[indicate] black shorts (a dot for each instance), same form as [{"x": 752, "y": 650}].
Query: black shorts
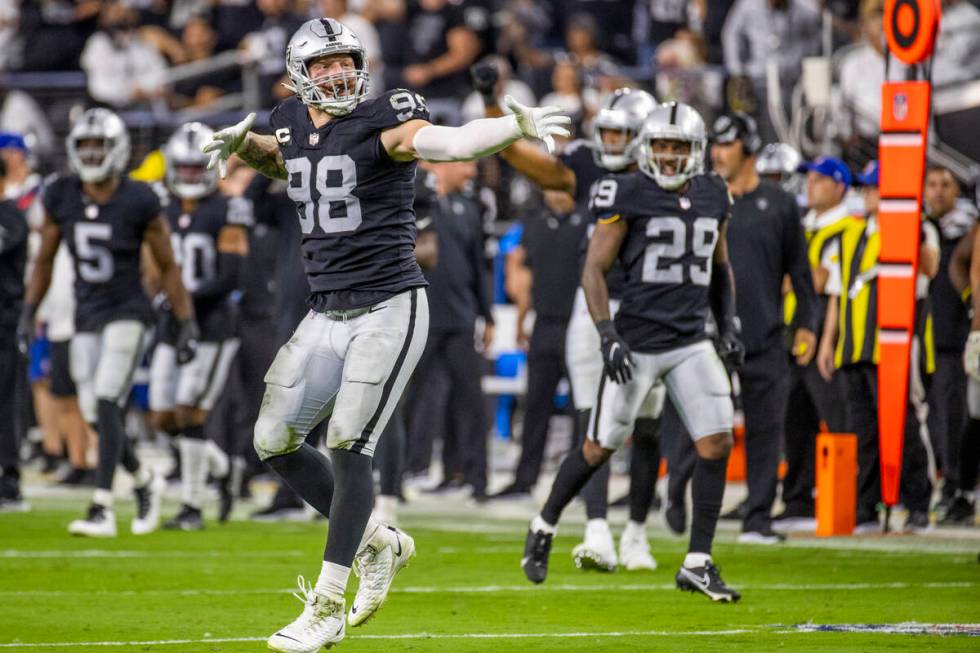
[{"x": 61, "y": 383}]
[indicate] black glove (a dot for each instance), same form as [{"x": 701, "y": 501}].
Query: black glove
[
  {"x": 731, "y": 350},
  {"x": 485, "y": 76},
  {"x": 187, "y": 336},
  {"x": 616, "y": 358},
  {"x": 25, "y": 328}
]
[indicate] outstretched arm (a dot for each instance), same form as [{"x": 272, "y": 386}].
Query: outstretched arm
[
  {"x": 419, "y": 139},
  {"x": 259, "y": 152},
  {"x": 546, "y": 170}
]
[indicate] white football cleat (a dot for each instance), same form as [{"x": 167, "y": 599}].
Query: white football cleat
[
  {"x": 598, "y": 551},
  {"x": 147, "y": 517},
  {"x": 100, "y": 522},
  {"x": 321, "y": 625},
  {"x": 634, "y": 550},
  {"x": 376, "y": 566}
]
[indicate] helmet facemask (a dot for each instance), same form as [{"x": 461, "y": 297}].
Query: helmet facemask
[
  {"x": 671, "y": 170},
  {"x": 187, "y": 173},
  {"x": 95, "y": 158},
  {"x": 615, "y": 154},
  {"x": 334, "y": 93}
]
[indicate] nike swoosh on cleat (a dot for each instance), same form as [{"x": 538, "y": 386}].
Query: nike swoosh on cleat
[
  {"x": 398, "y": 539},
  {"x": 702, "y": 583},
  {"x": 287, "y": 637}
]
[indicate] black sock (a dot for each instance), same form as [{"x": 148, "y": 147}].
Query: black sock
[
  {"x": 969, "y": 455},
  {"x": 595, "y": 494},
  {"x": 351, "y": 507},
  {"x": 128, "y": 457},
  {"x": 112, "y": 438},
  {"x": 572, "y": 476},
  {"x": 707, "y": 490},
  {"x": 308, "y": 473},
  {"x": 644, "y": 468}
]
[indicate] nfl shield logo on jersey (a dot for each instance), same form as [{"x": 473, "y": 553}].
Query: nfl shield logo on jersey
[
  {"x": 685, "y": 203},
  {"x": 91, "y": 211},
  {"x": 314, "y": 138}
]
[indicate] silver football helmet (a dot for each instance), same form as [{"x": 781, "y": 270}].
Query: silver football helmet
[
  {"x": 673, "y": 121},
  {"x": 95, "y": 163},
  {"x": 187, "y": 174},
  {"x": 778, "y": 159},
  {"x": 339, "y": 93},
  {"x": 624, "y": 112}
]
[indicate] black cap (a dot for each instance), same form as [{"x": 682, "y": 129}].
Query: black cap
[{"x": 737, "y": 126}]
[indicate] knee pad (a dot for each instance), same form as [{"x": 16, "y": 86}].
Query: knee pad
[{"x": 273, "y": 437}]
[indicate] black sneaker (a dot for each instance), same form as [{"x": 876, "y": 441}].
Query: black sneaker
[
  {"x": 707, "y": 580},
  {"x": 76, "y": 476},
  {"x": 512, "y": 492},
  {"x": 763, "y": 535},
  {"x": 675, "y": 516},
  {"x": 738, "y": 513},
  {"x": 188, "y": 519},
  {"x": 280, "y": 510},
  {"x": 537, "y": 548},
  {"x": 961, "y": 511},
  {"x": 918, "y": 522},
  {"x": 225, "y": 498},
  {"x": 10, "y": 497}
]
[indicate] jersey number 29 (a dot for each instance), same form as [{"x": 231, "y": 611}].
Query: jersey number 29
[
  {"x": 671, "y": 233},
  {"x": 335, "y": 209}
]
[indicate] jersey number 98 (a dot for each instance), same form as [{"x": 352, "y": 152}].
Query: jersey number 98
[{"x": 335, "y": 208}]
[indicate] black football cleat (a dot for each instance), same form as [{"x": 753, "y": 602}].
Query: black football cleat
[
  {"x": 188, "y": 519},
  {"x": 537, "y": 548},
  {"x": 706, "y": 580},
  {"x": 961, "y": 511}
]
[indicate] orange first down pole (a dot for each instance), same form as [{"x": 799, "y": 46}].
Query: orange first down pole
[{"x": 910, "y": 28}]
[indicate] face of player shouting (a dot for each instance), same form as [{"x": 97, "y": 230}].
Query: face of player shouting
[
  {"x": 335, "y": 75},
  {"x": 669, "y": 155}
]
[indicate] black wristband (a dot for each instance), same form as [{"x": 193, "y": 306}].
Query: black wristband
[{"x": 607, "y": 329}]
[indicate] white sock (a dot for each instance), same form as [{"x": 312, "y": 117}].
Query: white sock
[
  {"x": 386, "y": 509},
  {"x": 141, "y": 476},
  {"x": 332, "y": 580},
  {"x": 538, "y": 524},
  {"x": 103, "y": 498},
  {"x": 193, "y": 470},
  {"x": 635, "y": 530},
  {"x": 375, "y": 533},
  {"x": 692, "y": 560},
  {"x": 218, "y": 461}
]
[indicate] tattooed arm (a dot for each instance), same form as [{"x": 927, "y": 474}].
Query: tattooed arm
[{"x": 259, "y": 152}]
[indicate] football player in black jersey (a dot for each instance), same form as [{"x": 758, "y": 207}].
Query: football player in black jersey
[
  {"x": 210, "y": 242},
  {"x": 575, "y": 171},
  {"x": 106, "y": 219},
  {"x": 666, "y": 223},
  {"x": 350, "y": 164}
]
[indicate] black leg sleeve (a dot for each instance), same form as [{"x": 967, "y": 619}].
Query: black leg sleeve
[
  {"x": 644, "y": 467},
  {"x": 351, "y": 506},
  {"x": 308, "y": 473}
]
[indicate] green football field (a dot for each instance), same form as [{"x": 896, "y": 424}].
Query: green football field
[{"x": 228, "y": 588}]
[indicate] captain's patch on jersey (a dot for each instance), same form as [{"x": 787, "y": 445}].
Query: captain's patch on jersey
[{"x": 283, "y": 135}]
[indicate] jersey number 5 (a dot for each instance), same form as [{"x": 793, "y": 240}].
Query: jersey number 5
[
  {"x": 672, "y": 234},
  {"x": 95, "y": 263},
  {"x": 335, "y": 208}
]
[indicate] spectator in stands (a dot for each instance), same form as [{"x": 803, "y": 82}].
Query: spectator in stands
[
  {"x": 267, "y": 45},
  {"x": 860, "y": 69},
  {"x": 956, "y": 59},
  {"x": 366, "y": 32},
  {"x": 582, "y": 42},
  {"x": 122, "y": 68},
  {"x": 9, "y": 43},
  {"x": 613, "y": 22},
  {"x": 758, "y": 32},
  {"x": 506, "y": 85},
  {"x": 197, "y": 43},
  {"x": 54, "y": 32},
  {"x": 439, "y": 49},
  {"x": 577, "y": 102}
]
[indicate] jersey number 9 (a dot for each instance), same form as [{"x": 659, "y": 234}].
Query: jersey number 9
[{"x": 334, "y": 208}]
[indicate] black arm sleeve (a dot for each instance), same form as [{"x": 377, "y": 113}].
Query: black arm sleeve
[
  {"x": 228, "y": 278},
  {"x": 796, "y": 264},
  {"x": 721, "y": 294}
]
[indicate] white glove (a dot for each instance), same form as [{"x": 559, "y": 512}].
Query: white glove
[
  {"x": 226, "y": 142},
  {"x": 541, "y": 122},
  {"x": 971, "y": 355}
]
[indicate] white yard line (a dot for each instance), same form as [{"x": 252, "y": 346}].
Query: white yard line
[
  {"x": 113, "y": 553},
  {"x": 886, "y": 629},
  {"x": 487, "y": 589}
]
